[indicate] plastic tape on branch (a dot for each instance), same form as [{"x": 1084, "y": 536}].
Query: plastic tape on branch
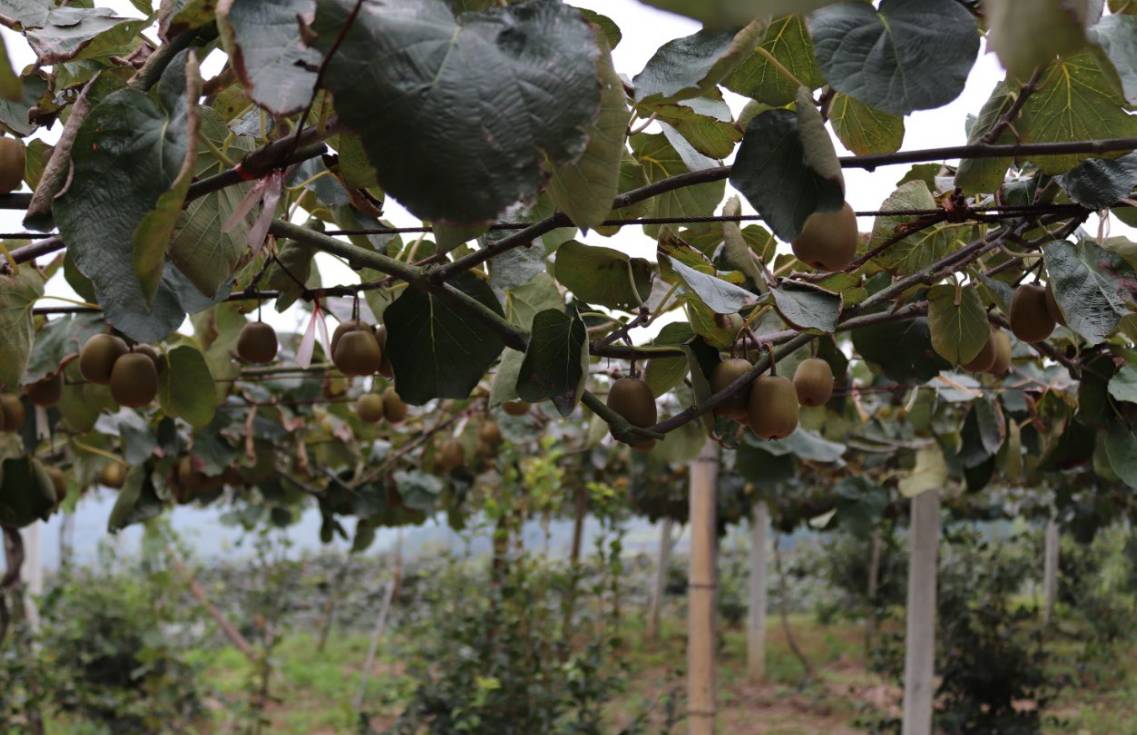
[{"x": 266, "y": 191}]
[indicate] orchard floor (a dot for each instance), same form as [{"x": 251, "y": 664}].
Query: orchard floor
[{"x": 313, "y": 691}]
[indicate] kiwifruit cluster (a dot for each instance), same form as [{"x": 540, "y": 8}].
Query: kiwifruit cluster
[
  {"x": 374, "y": 407},
  {"x": 369, "y": 408},
  {"x": 257, "y": 343},
  {"x": 12, "y": 161},
  {"x": 770, "y": 404},
  {"x": 995, "y": 357},
  {"x": 356, "y": 349},
  {"x": 1032, "y": 317},
  {"x": 131, "y": 374},
  {"x": 47, "y": 391},
  {"x": 633, "y": 399},
  {"x": 12, "y": 413},
  {"x": 394, "y": 410},
  {"x": 828, "y": 240}
]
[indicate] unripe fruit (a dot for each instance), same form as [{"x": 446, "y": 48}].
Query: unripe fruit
[
  {"x": 12, "y": 162},
  {"x": 1001, "y": 344},
  {"x": 450, "y": 456},
  {"x": 394, "y": 409},
  {"x": 113, "y": 475},
  {"x": 490, "y": 434},
  {"x": 828, "y": 241},
  {"x": 46, "y": 392},
  {"x": 986, "y": 357},
  {"x": 369, "y": 408},
  {"x": 773, "y": 407},
  {"x": 1052, "y": 307},
  {"x": 342, "y": 329},
  {"x": 134, "y": 380},
  {"x": 13, "y": 411},
  {"x": 516, "y": 408},
  {"x": 358, "y": 353},
  {"x": 1030, "y": 317},
  {"x": 98, "y": 356},
  {"x": 725, "y": 373},
  {"x": 813, "y": 381},
  {"x": 632, "y": 399},
  {"x": 257, "y": 343}
]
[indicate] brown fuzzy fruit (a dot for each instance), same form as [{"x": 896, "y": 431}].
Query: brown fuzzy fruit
[
  {"x": 342, "y": 329},
  {"x": 828, "y": 241},
  {"x": 490, "y": 434},
  {"x": 189, "y": 477},
  {"x": 986, "y": 357},
  {"x": 393, "y": 407},
  {"x": 773, "y": 407},
  {"x": 450, "y": 456},
  {"x": 12, "y": 161},
  {"x": 98, "y": 356},
  {"x": 257, "y": 343},
  {"x": 1052, "y": 307},
  {"x": 14, "y": 413},
  {"x": 632, "y": 399},
  {"x": 1030, "y": 317},
  {"x": 46, "y": 392},
  {"x": 152, "y": 352},
  {"x": 358, "y": 353},
  {"x": 813, "y": 381},
  {"x": 369, "y": 408},
  {"x": 725, "y": 373},
  {"x": 134, "y": 380},
  {"x": 113, "y": 475},
  {"x": 1001, "y": 344},
  {"x": 516, "y": 408}
]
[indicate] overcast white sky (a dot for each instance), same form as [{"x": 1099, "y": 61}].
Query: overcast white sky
[{"x": 644, "y": 29}]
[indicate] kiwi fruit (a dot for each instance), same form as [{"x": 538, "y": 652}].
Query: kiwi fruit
[
  {"x": 14, "y": 413},
  {"x": 1052, "y": 307},
  {"x": 632, "y": 399},
  {"x": 1030, "y": 317},
  {"x": 46, "y": 392},
  {"x": 58, "y": 483},
  {"x": 490, "y": 434},
  {"x": 828, "y": 241},
  {"x": 357, "y": 353},
  {"x": 516, "y": 408},
  {"x": 773, "y": 407},
  {"x": 386, "y": 369},
  {"x": 98, "y": 356},
  {"x": 450, "y": 456},
  {"x": 152, "y": 352},
  {"x": 113, "y": 475},
  {"x": 369, "y": 408},
  {"x": 394, "y": 409},
  {"x": 813, "y": 381},
  {"x": 134, "y": 380},
  {"x": 12, "y": 160},
  {"x": 342, "y": 329},
  {"x": 1001, "y": 345},
  {"x": 986, "y": 357},
  {"x": 189, "y": 477},
  {"x": 257, "y": 343},
  {"x": 725, "y": 373}
]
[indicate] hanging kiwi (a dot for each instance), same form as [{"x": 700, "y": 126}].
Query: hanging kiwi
[
  {"x": 986, "y": 357},
  {"x": 358, "y": 353},
  {"x": 12, "y": 162},
  {"x": 632, "y": 399},
  {"x": 14, "y": 413},
  {"x": 152, "y": 352},
  {"x": 134, "y": 380},
  {"x": 813, "y": 381},
  {"x": 490, "y": 434},
  {"x": 773, "y": 407},
  {"x": 369, "y": 408},
  {"x": 1030, "y": 317},
  {"x": 516, "y": 408},
  {"x": 394, "y": 409},
  {"x": 1052, "y": 307},
  {"x": 98, "y": 356},
  {"x": 828, "y": 241},
  {"x": 450, "y": 456},
  {"x": 257, "y": 343},
  {"x": 343, "y": 328},
  {"x": 46, "y": 392},
  {"x": 725, "y": 373},
  {"x": 1001, "y": 345},
  {"x": 113, "y": 475}
]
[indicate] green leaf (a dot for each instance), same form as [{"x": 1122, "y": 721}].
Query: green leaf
[
  {"x": 11, "y": 89},
  {"x": 408, "y": 74},
  {"x": 70, "y": 33},
  {"x": 437, "y": 348},
  {"x": 58, "y": 339},
  {"x": 664, "y": 373},
  {"x": 1123, "y": 385},
  {"x": 805, "y": 445},
  {"x": 959, "y": 330},
  {"x": 612, "y": 33},
  {"x": 175, "y": 16},
  {"x": 26, "y": 492},
  {"x": 786, "y": 39},
  {"x": 981, "y": 175},
  {"x": 185, "y": 386},
  {"x": 1099, "y": 183},
  {"x": 262, "y": 38},
  {"x": 690, "y": 66},
  {"x": 718, "y": 295},
  {"x": 1088, "y": 283},
  {"x": 787, "y": 169},
  {"x": 806, "y": 306},
  {"x": 418, "y": 490},
  {"x": 930, "y": 472},
  {"x": 556, "y": 362},
  {"x": 18, "y": 294},
  {"x": 205, "y": 254},
  {"x": 525, "y": 301},
  {"x": 14, "y": 114},
  {"x": 1117, "y": 36},
  {"x": 704, "y": 122},
  {"x": 735, "y": 13},
  {"x": 862, "y": 129},
  {"x": 1121, "y": 449},
  {"x": 584, "y": 189},
  {"x": 661, "y": 160},
  {"x": 603, "y": 276},
  {"x": 25, "y": 13},
  {"x": 922, "y": 248},
  {"x": 902, "y": 350},
  {"x": 136, "y": 501},
  {"x": 505, "y": 377},
  {"x": 1026, "y": 34},
  {"x": 908, "y": 55}
]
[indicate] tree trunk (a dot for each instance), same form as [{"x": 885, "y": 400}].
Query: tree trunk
[
  {"x": 756, "y": 630},
  {"x": 920, "y": 639},
  {"x": 657, "y": 592},
  {"x": 1050, "y": 573},
  {"x": 875, "y": 551},
  {"x": 701, "y": 594}
]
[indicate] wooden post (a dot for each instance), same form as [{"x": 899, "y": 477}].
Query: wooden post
[
  {"x": 875, "y": 551},
  {"x": 1050, "y": 571},
  {"x": 655, "y": 611},
  {"x": 701, "y": 594},
  {"x": 756, "y": 631},
  {"x": 920, "y": 640},
  {"x": 32, "y": 571}
]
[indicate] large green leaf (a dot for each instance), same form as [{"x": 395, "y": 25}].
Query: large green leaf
[
  {"x": 735, "y": 13},
  {"x": 806, "y": 306},
  {"x": 1089, "y": 284},
  {"x": 661, "y": 160},
  {"x": 262, "y": 38},
  {"x": 903, "y": 350},
  {"x": 69, "y": 33},
  {"x": 556, "y": 362},
  {"x": 185, "y": 386},
  {"x": 1117, "y": 36},
  {"x": 1123, "y": 385},
  {"x": 908, "y": 55},
  {"x": 18, "y": 294},
  {"x": 437, "y": 348},
  {"x": 930, "y": 472},
  {"x": 862, "y": 129},
  {"x": 26, "y": 492},
  {"x": 958, "y": 322},
  {"x": 704, "y": 122},
  {"x": 721, "y": 297},
  {"x": 175, "y": 16},
  {"x": 459, "y": 116},
  {"x": 787, "y": 39},
  {"x": 1098, "y": 183},
  {"x": 978, "y": 175},
  {"x": 505, "y": 377},
  {"x": 25, "y": 13},
  {"x": 1121, "y": 449},
  {"x": 603, "y": 276},
  {"x": 692, "y": 65},
  {"x": 525, "y": 301},
  {"x": 1026, "y": 34},
  {"x": 136, "y": 502},
  {"x": 922, "y": 248},
  {"x": 58, "y": 339}
]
